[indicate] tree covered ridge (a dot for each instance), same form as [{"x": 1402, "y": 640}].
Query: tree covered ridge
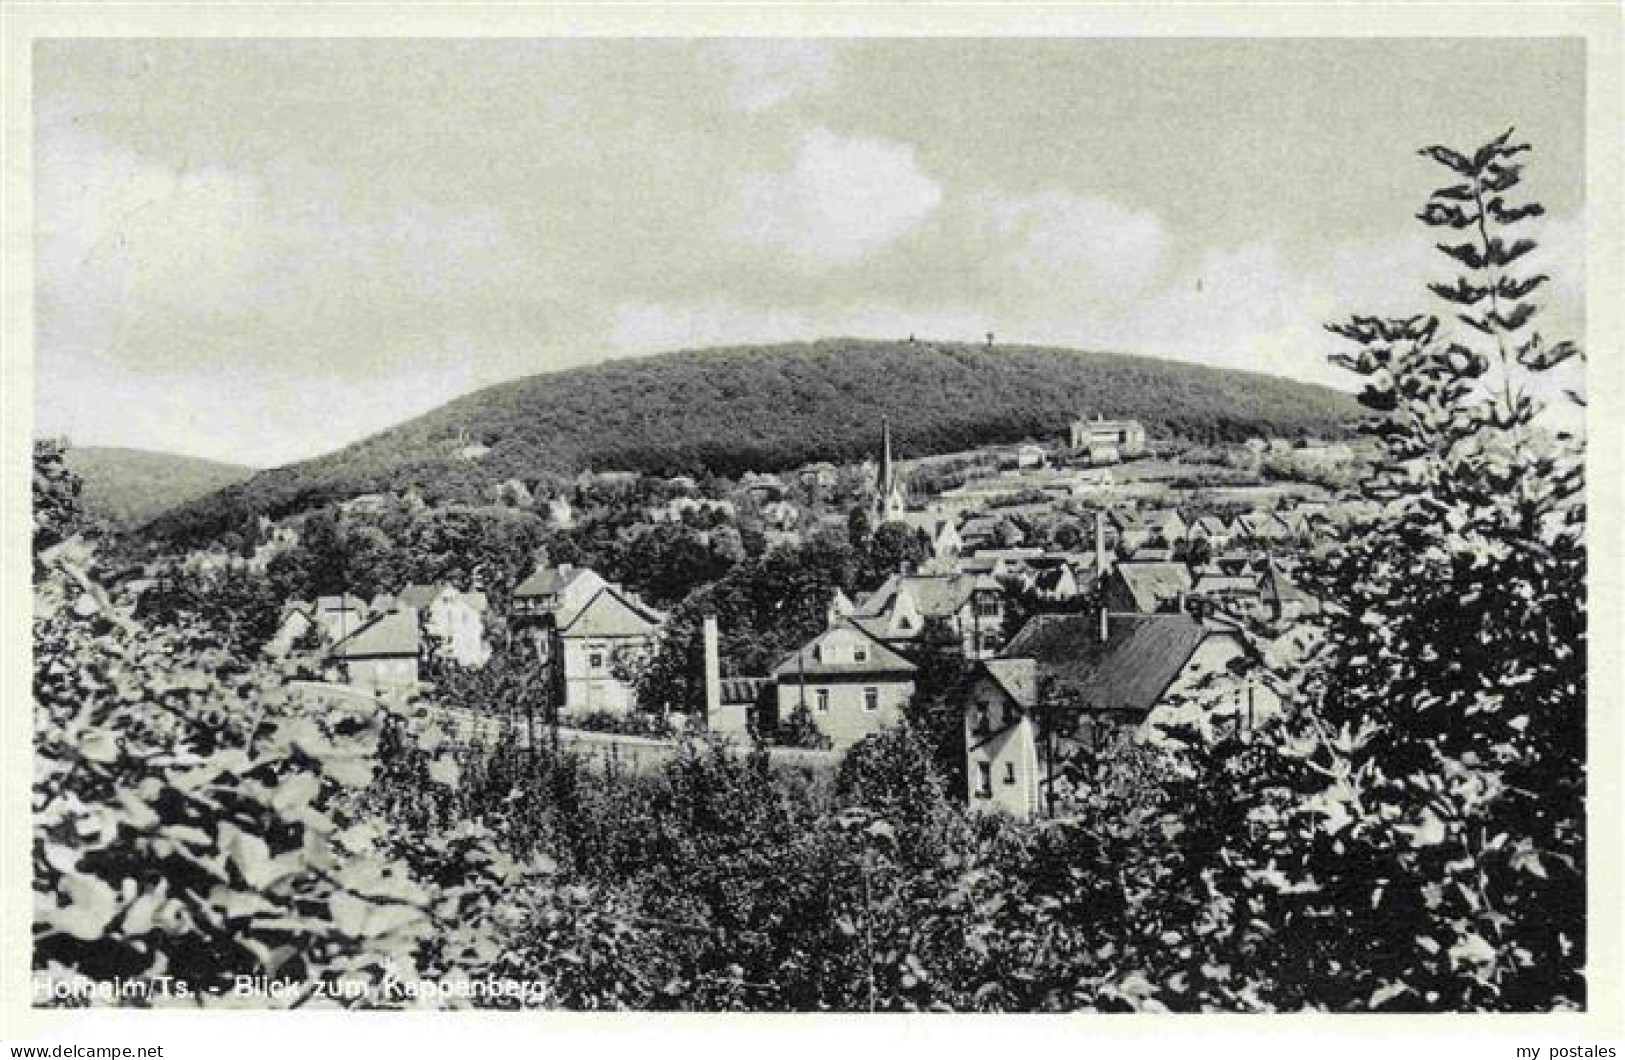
[
  {"x": 769, "y": 408},
  {"x": 132, "y": 486}
]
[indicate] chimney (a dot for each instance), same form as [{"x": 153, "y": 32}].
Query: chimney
[
  {"x": 564, "y": 569},
  {"x": 1105, "y": 628},
  {"x": 713, "y": 671}
]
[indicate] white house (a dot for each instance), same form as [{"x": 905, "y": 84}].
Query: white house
[{"x": 850, "y": 683}]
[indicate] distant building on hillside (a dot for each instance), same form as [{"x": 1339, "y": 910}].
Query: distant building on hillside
[{"x": 1127, "y": 437}]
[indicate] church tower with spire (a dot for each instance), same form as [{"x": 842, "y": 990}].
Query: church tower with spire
[{"x": 889, "y": 500}]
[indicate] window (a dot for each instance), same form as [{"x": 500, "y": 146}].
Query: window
[
  {"x": 871, "y": 699},
  {"x": 1009, "y": 772},
  {"x": 595, "y": 660},
  {"x": 823, "y": 700},
  {"x": 860, "y": 654},
  {"x": 987, "y": 605},
  {"x": 981, "y": 720},
  {"x": 984, "y": 780}
]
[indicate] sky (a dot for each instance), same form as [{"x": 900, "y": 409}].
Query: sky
[{"x": 261, "y": 250}]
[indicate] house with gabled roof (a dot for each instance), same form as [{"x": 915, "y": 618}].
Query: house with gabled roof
[
  {"x": 1282, "y": 598},
  {"x": 910, "y": 611},
  {"x": 1062, "y": 689},
  {"x": 1261, "y": 528},
  {"x": 596, "y": 649},
  {"x": 593, "y": 632},
  {"x": 454, "y": 621},
  {"x": 1127, "y": 437},
  {"x": 383, "y": 654},
  {"x": 1214, "y": 530},
  {"x": 1146, "y": 588},
  {"x": 850, "y": 682},
  {"x": 1004, "y": 770}
]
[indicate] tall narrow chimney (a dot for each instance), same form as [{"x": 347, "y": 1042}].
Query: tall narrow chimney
[
  {"x": 1105, "y": 630},
  {"x": 713, "y": 671},
  {"x": 1100, "y": 543}
]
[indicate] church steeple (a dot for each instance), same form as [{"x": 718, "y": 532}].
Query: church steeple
[
  {"x": 889, "y": 502},
  {"x": 885, "y": 457}
]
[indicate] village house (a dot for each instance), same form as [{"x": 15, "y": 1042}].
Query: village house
[
  {"x": 1163, "y": 671},
  {"x": 594, "y": 633},
  {"x": 909, "y": 610},
  {"x": 940, "y": 532},
  {"x": 1281, "y": 597},
  {"x": 1003, "y": 771},
  {"x": 1029, "y": 456},
  {"x": 1055, "y": 582},
  {"x": 780, "y": 515},
  {"x": 762, "y": 486},
  {"x": 1146, "y": 588},
  {"x": 1214, "y": 530},
  {"x": 1261, "y": 528},
  {"x": 383, "y": 654},
  {"x": 989, "y": 531},
  {"x": 821, "y": 474},
  {"x": 849, "y": 682},
  {"x": 558, "y": 514},
  {"x": 453, "y": 621},
  {"x": 1127, "y": 437},
  {"x": 1062, "y": 690}
]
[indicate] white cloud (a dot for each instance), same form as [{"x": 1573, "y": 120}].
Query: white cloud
[
  {"x": 841, "y": 199},
  {"x": 150, "y": 264},
  {"x": 656, "y": 327},
  {"x": 1084, "y": 245},
  {"x": 766, "y": 73}
]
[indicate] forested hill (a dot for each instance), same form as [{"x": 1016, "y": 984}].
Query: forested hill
[
  {"x": 767, "y": 408},
  {"x": 127, "y": 487}
]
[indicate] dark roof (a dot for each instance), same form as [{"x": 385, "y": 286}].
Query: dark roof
[
  {"x": 1141, "y": 660},
  {"x": 419, "y": 596},
  {"x": 1064, "y": 647},
  {"x": 548, "y": 581},
  {"x": 934, "y": 595},
  {"x": 1151, "y": 584},
  {"x": 1048, "y": 579},
  {"x": 1018, "y": 678},
  {"x": 742, "y": 689}
]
